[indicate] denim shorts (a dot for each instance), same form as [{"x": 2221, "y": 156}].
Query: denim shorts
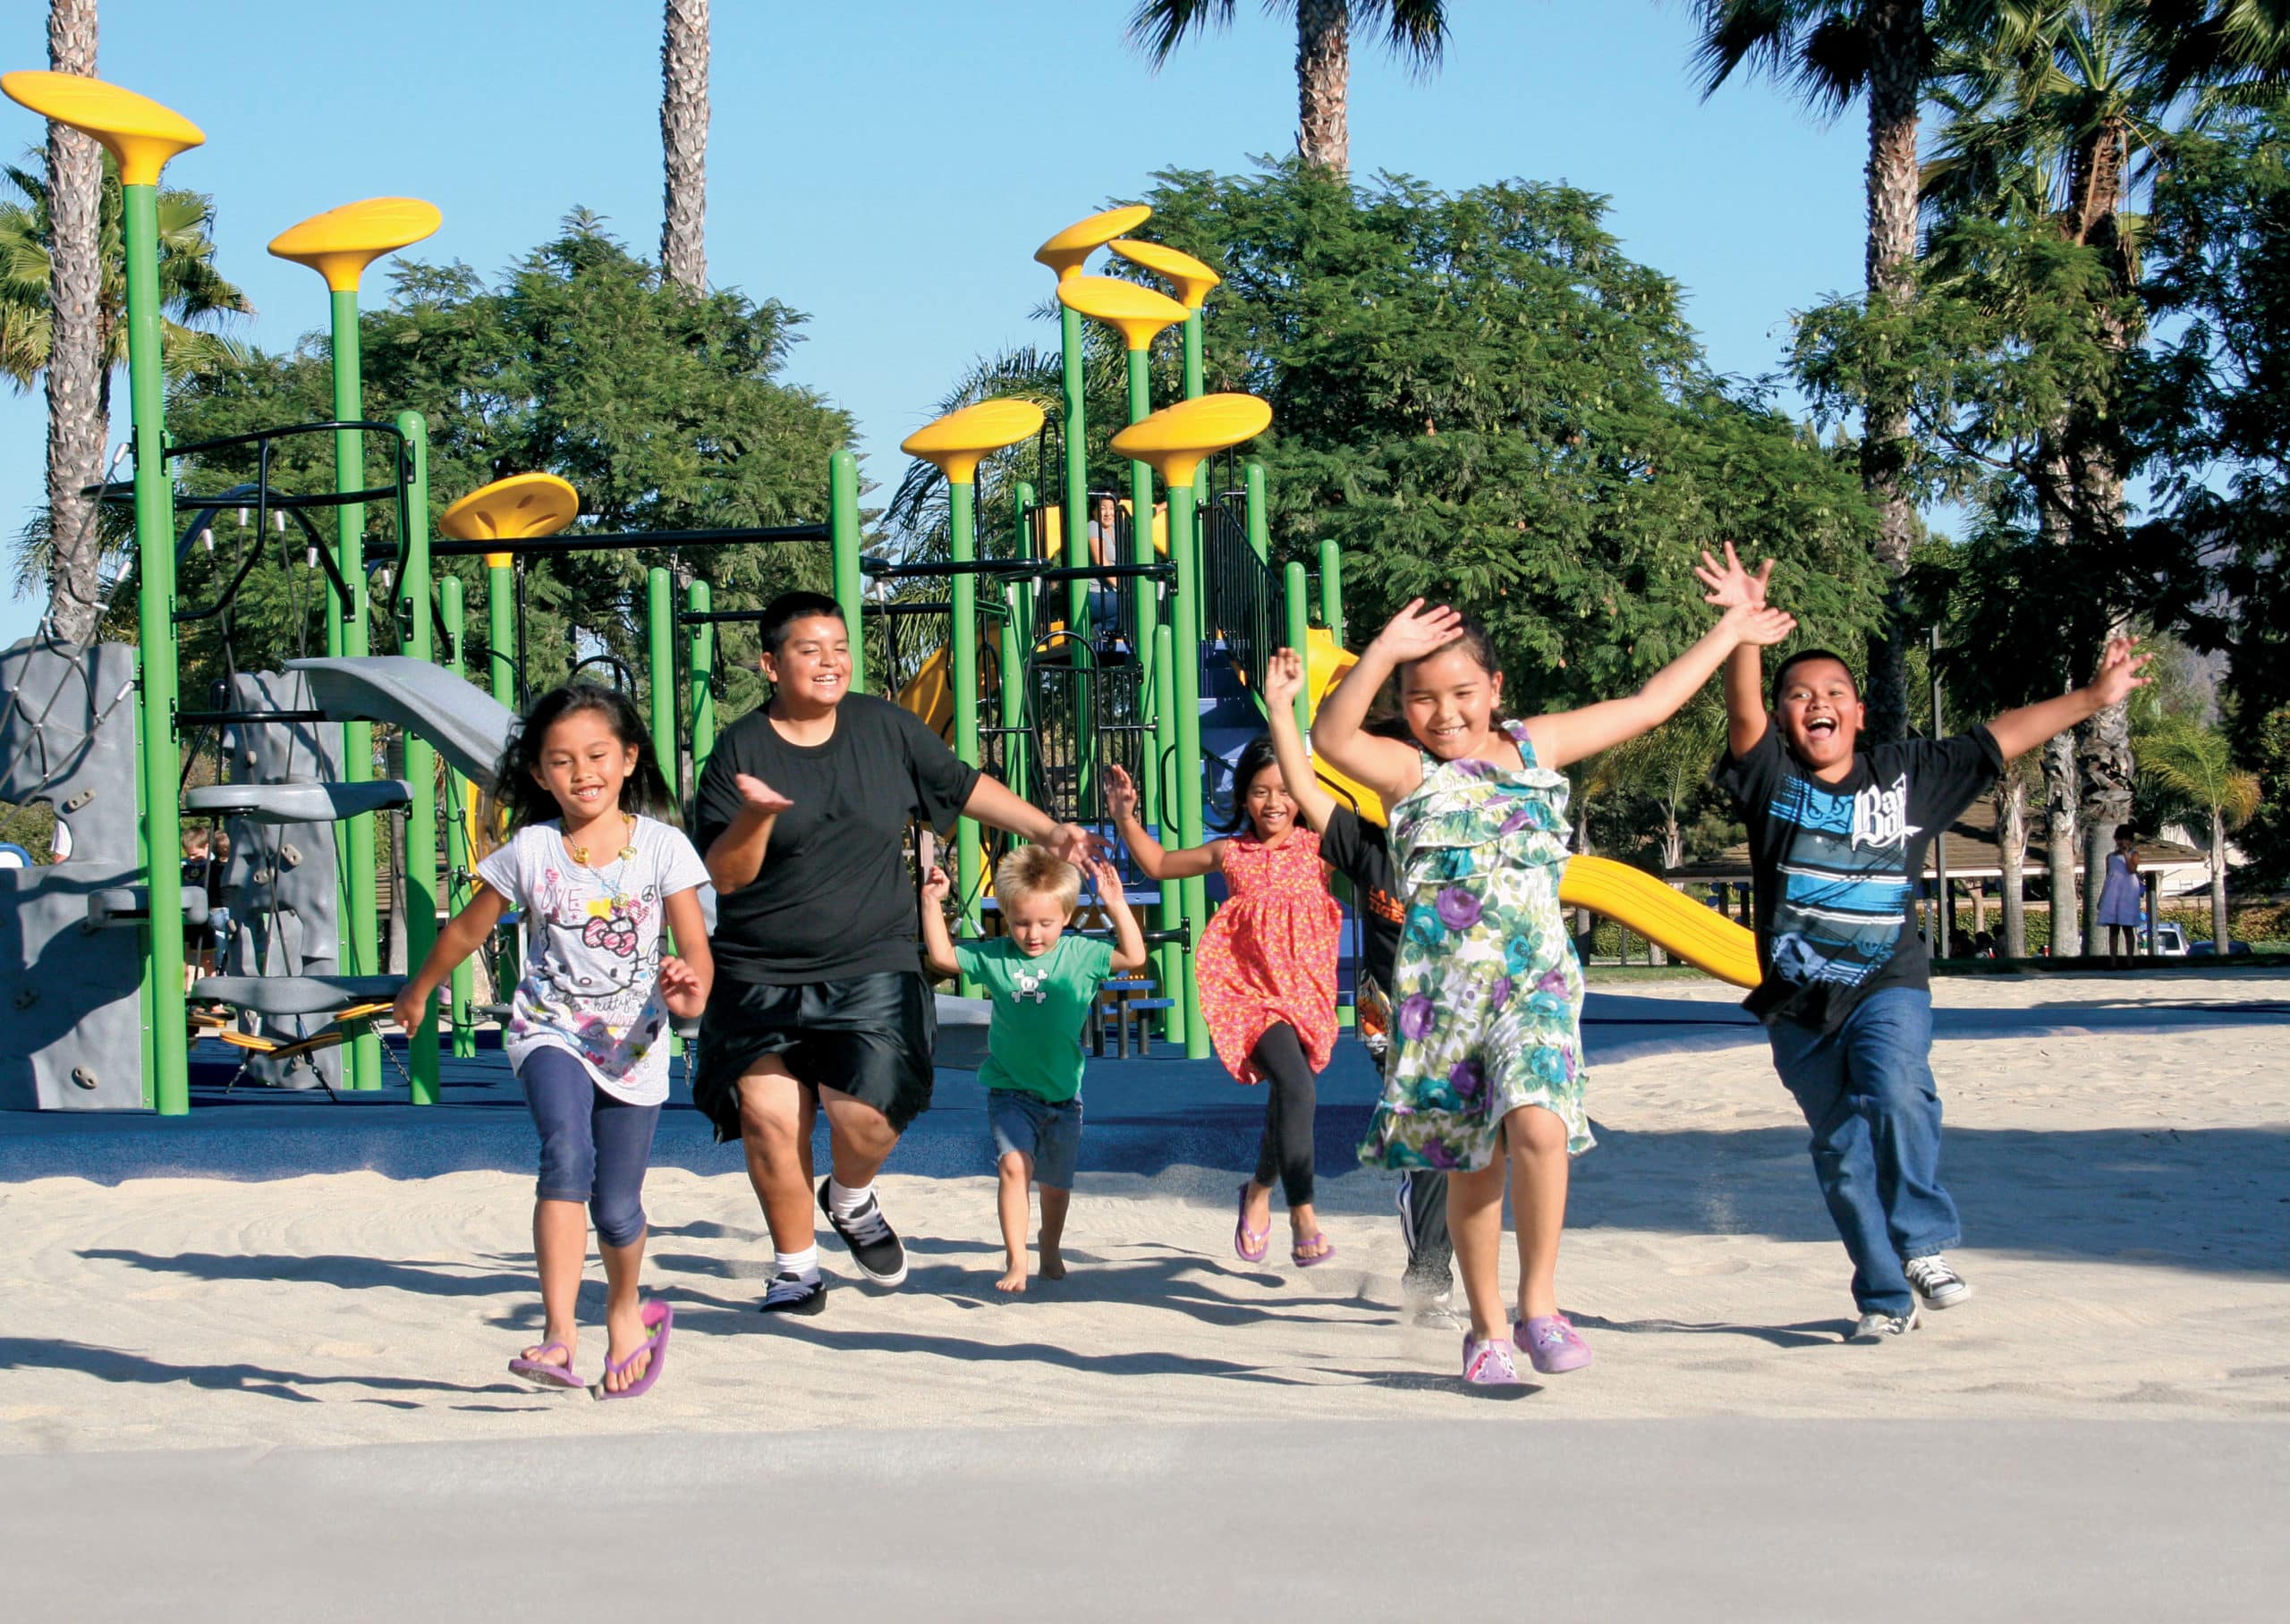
[{"x": 1051, "y": 1135}]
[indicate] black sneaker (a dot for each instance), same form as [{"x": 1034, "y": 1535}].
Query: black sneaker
[
  {"x": 874, "y": 1245},
  {"x": 792, "y": 1294},
  {"x": 1937, "y": 1286},
  {"x": 1884, "y": 1327}
]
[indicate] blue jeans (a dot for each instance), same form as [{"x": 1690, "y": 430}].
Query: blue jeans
[{"x": 1868, "y": 1095}]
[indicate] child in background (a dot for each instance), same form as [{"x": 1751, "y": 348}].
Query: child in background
[
  {"x": 1836, "y": 847},
  {"x": 1041, "y": 983},
  {"x": 595, "y": 877},
  {"x": 2120, "y": 903},
  {"x": 1265, "y": 970},
  {"x": 1361, "y": 851},
  {"x": 1487, "y": 1069}
]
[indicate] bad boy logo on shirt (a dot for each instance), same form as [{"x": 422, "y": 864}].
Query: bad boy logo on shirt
[{"x": 1880, "y": 816}]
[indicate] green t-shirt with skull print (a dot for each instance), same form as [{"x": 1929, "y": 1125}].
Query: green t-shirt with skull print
[{"x": 1041, "y": 1007}]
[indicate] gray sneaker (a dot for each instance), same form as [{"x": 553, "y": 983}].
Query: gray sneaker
[
  {"x": 1884, "y": 1327},
  {"x": 1937, "y": 1286}
]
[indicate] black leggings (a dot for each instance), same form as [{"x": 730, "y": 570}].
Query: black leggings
[{"x": 1284, "y": 1155}]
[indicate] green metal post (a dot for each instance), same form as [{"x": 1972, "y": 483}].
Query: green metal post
[
  {"x": 1140, "y": 535},
  {"x": 1014, "y": 643},
  {"x": 346, "y": 634},
  {"x": 1160, "y": 786},
  {"x": 1189, "y": 808},
  {"x": 699, "y": 599},
  {"x": 1258, "y": 517},
  {"x": 501, "y": 624},
  {"x": 842, "y": 526},
  {"x": 660, "y": 659},
  {"x": 1332, "y": 589},
  {"x": 962, "y": 522},
  {"x": 459, "y": 859},
  {"x": 1192, "y": 380},
  {"x": 155, "y": 608},
  {"x": 1075, "y": 430},
  {"x": 420, "y": 905},
  {"x": 1297, "y": 590}
]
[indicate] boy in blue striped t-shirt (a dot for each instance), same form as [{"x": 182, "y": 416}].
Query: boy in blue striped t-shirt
[{"x": 1837, "y": 836}]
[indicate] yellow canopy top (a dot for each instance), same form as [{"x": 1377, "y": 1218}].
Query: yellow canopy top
[
  {"x": 1138, "y": 311},
  {"x": 136, "y": 131},
  {"x": 516, "y": 509},
  {"x": 341, "y": 242},
  {"x": 1065, "y": 252},
  {"x": 1192, "y": 280},
  {"x": 1176, "y": 438},
  {"x": 956, "y": 441}
]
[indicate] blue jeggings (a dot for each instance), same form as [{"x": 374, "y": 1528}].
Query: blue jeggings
[
  {"x": 1868, "y": 1095},
  {"x": 593, "y": 1147}
]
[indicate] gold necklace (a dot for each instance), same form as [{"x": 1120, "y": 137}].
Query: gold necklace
[{"x": 627, "y": 851}]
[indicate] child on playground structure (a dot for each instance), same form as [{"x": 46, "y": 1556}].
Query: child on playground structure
[
  {"x": 1042, "y": 981},
  {"x": 1487, "y": 1064},
  {"x": 1837, "y": 836},
  {"x": 1360, "y": 851},
  {"x": 597, "y": 874},
  {"x": 1265, "y": 971}
]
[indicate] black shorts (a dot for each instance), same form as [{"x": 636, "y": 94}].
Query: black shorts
[{"x": 869, "y": 1036}]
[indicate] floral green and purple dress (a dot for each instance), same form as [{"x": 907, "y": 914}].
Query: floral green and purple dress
[{"x": 1486, "y": 995}]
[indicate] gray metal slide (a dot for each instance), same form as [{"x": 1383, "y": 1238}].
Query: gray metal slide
[{"x": 468, "y": 726}]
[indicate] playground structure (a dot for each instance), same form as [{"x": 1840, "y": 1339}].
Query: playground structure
[{"x": 1150, "y": 653}]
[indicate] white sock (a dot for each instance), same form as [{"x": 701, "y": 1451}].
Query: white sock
[
  {"x": 845, "y": 1203},
  {"x": 804, "y": 1265}
]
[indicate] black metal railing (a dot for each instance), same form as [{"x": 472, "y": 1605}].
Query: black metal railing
[{"x": 1243, "y": 609}]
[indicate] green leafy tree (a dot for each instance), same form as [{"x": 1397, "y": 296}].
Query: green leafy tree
[
  {"x": 1670, "y": 769},
  {"x": 2196, "y": 764},
  {"x": 1415, "y": 31},
  {"x": 194, "y": 298}
]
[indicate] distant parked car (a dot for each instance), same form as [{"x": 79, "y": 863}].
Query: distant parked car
[
  {"x": 2170, "y": 941},
  {"x": 2208, "y": 950}
]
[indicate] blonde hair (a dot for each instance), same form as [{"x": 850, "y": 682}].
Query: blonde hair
[{"x": 1035, "y": 871}]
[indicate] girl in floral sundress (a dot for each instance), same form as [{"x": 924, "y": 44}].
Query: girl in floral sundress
[
  {"x": 1487, "y": 1068},
  {"x": 1267, "y": 972}
]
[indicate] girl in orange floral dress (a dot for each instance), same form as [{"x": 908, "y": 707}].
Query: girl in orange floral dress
[{"x": 1266, "y": 973}]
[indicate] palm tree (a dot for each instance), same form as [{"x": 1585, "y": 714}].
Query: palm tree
[
  {"x": 191, "y": 289},
  {"x": 1834, "y": 53},
  {"x": 683, "y": 144},
  {"x": 74, "y": 368},
  {"x": 1671, "y": 763},
  {"x": 1414, "y": 31},
  {"x": 2196, "y": 764}
]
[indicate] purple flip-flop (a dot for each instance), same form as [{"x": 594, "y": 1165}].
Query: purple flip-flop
[
  {"x": 1296, "y": 1255},
  {"x": 542, "y": 1374},
  {"x": 658, "y": 1317},
  {"x": 1243, "y": 1236}
]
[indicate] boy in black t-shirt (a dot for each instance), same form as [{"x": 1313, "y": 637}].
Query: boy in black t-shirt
[
  {"x": 1837, "y": 836},
  {"x": 820, "y": 1002},
  {"x": 1360, "y": 851}
]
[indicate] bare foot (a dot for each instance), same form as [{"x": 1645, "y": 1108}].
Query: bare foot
[
  {"x": 1014, "y": 1279},
  {"x": 627, "y": 1334},
  {"x": 1259, "y": 1208},
  {"x": 1053, "y": 1263},
  {"x": 558, "y": 1351}
]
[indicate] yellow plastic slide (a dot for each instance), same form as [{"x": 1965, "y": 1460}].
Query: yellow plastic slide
[
  {"x": 929, "y": 694},
  {"x": 1701, "y": 935}
]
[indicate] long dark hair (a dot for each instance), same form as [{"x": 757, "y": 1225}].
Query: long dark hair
[
  {"x": 1255, "y": 756},
  {"x": 519, "y": 793}
]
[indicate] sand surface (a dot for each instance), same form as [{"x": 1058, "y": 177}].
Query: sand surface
[{"x": 2126, "y": 1198}]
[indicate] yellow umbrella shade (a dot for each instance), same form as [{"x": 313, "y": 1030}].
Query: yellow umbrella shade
[
  {"x": 956, "y": 441},
  {"x": 341, "y": 242},
  {"x": 1065, "y": 252},
  {"x": 1176, "y": 438},
  {"x": 519, "y": 508},
  {"x": 1192, "y": 280},
  {"x": 1138, "y": 311},
  {"x": 136, "y": 131}
]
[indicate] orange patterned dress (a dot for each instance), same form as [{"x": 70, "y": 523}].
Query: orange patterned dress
[{"x": 1269, "y": 954}]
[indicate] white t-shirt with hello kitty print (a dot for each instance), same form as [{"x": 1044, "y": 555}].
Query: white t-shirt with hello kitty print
[{"x": 592, "y": 951}]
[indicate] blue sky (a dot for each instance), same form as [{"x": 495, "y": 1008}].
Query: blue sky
[{"x": 889, "y": 166}]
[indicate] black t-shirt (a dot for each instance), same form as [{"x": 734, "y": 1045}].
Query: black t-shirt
[
  {"x": 1835, "y": 865},
  {"x": 833, "y": 898},
  {"x": 1362, "y": 852}
]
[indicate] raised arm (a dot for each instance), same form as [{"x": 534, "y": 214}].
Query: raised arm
[
  {"x": 1284, "y": 680},
  {"x": 937, "y": 945},
  {"x": 1128, "y": 939},
  {"x": 1568, "y": 735},
  {"x": 736, "y": 856},
  {"x": 2018, "y": 731},
  {"x": 1386, "y": 765},
  {"x": 992, "y": 804},
  {"x": 462, "y": 935},
  {"x": 1731, "y": 585},
  {"x": 1158, "y": 864}
]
